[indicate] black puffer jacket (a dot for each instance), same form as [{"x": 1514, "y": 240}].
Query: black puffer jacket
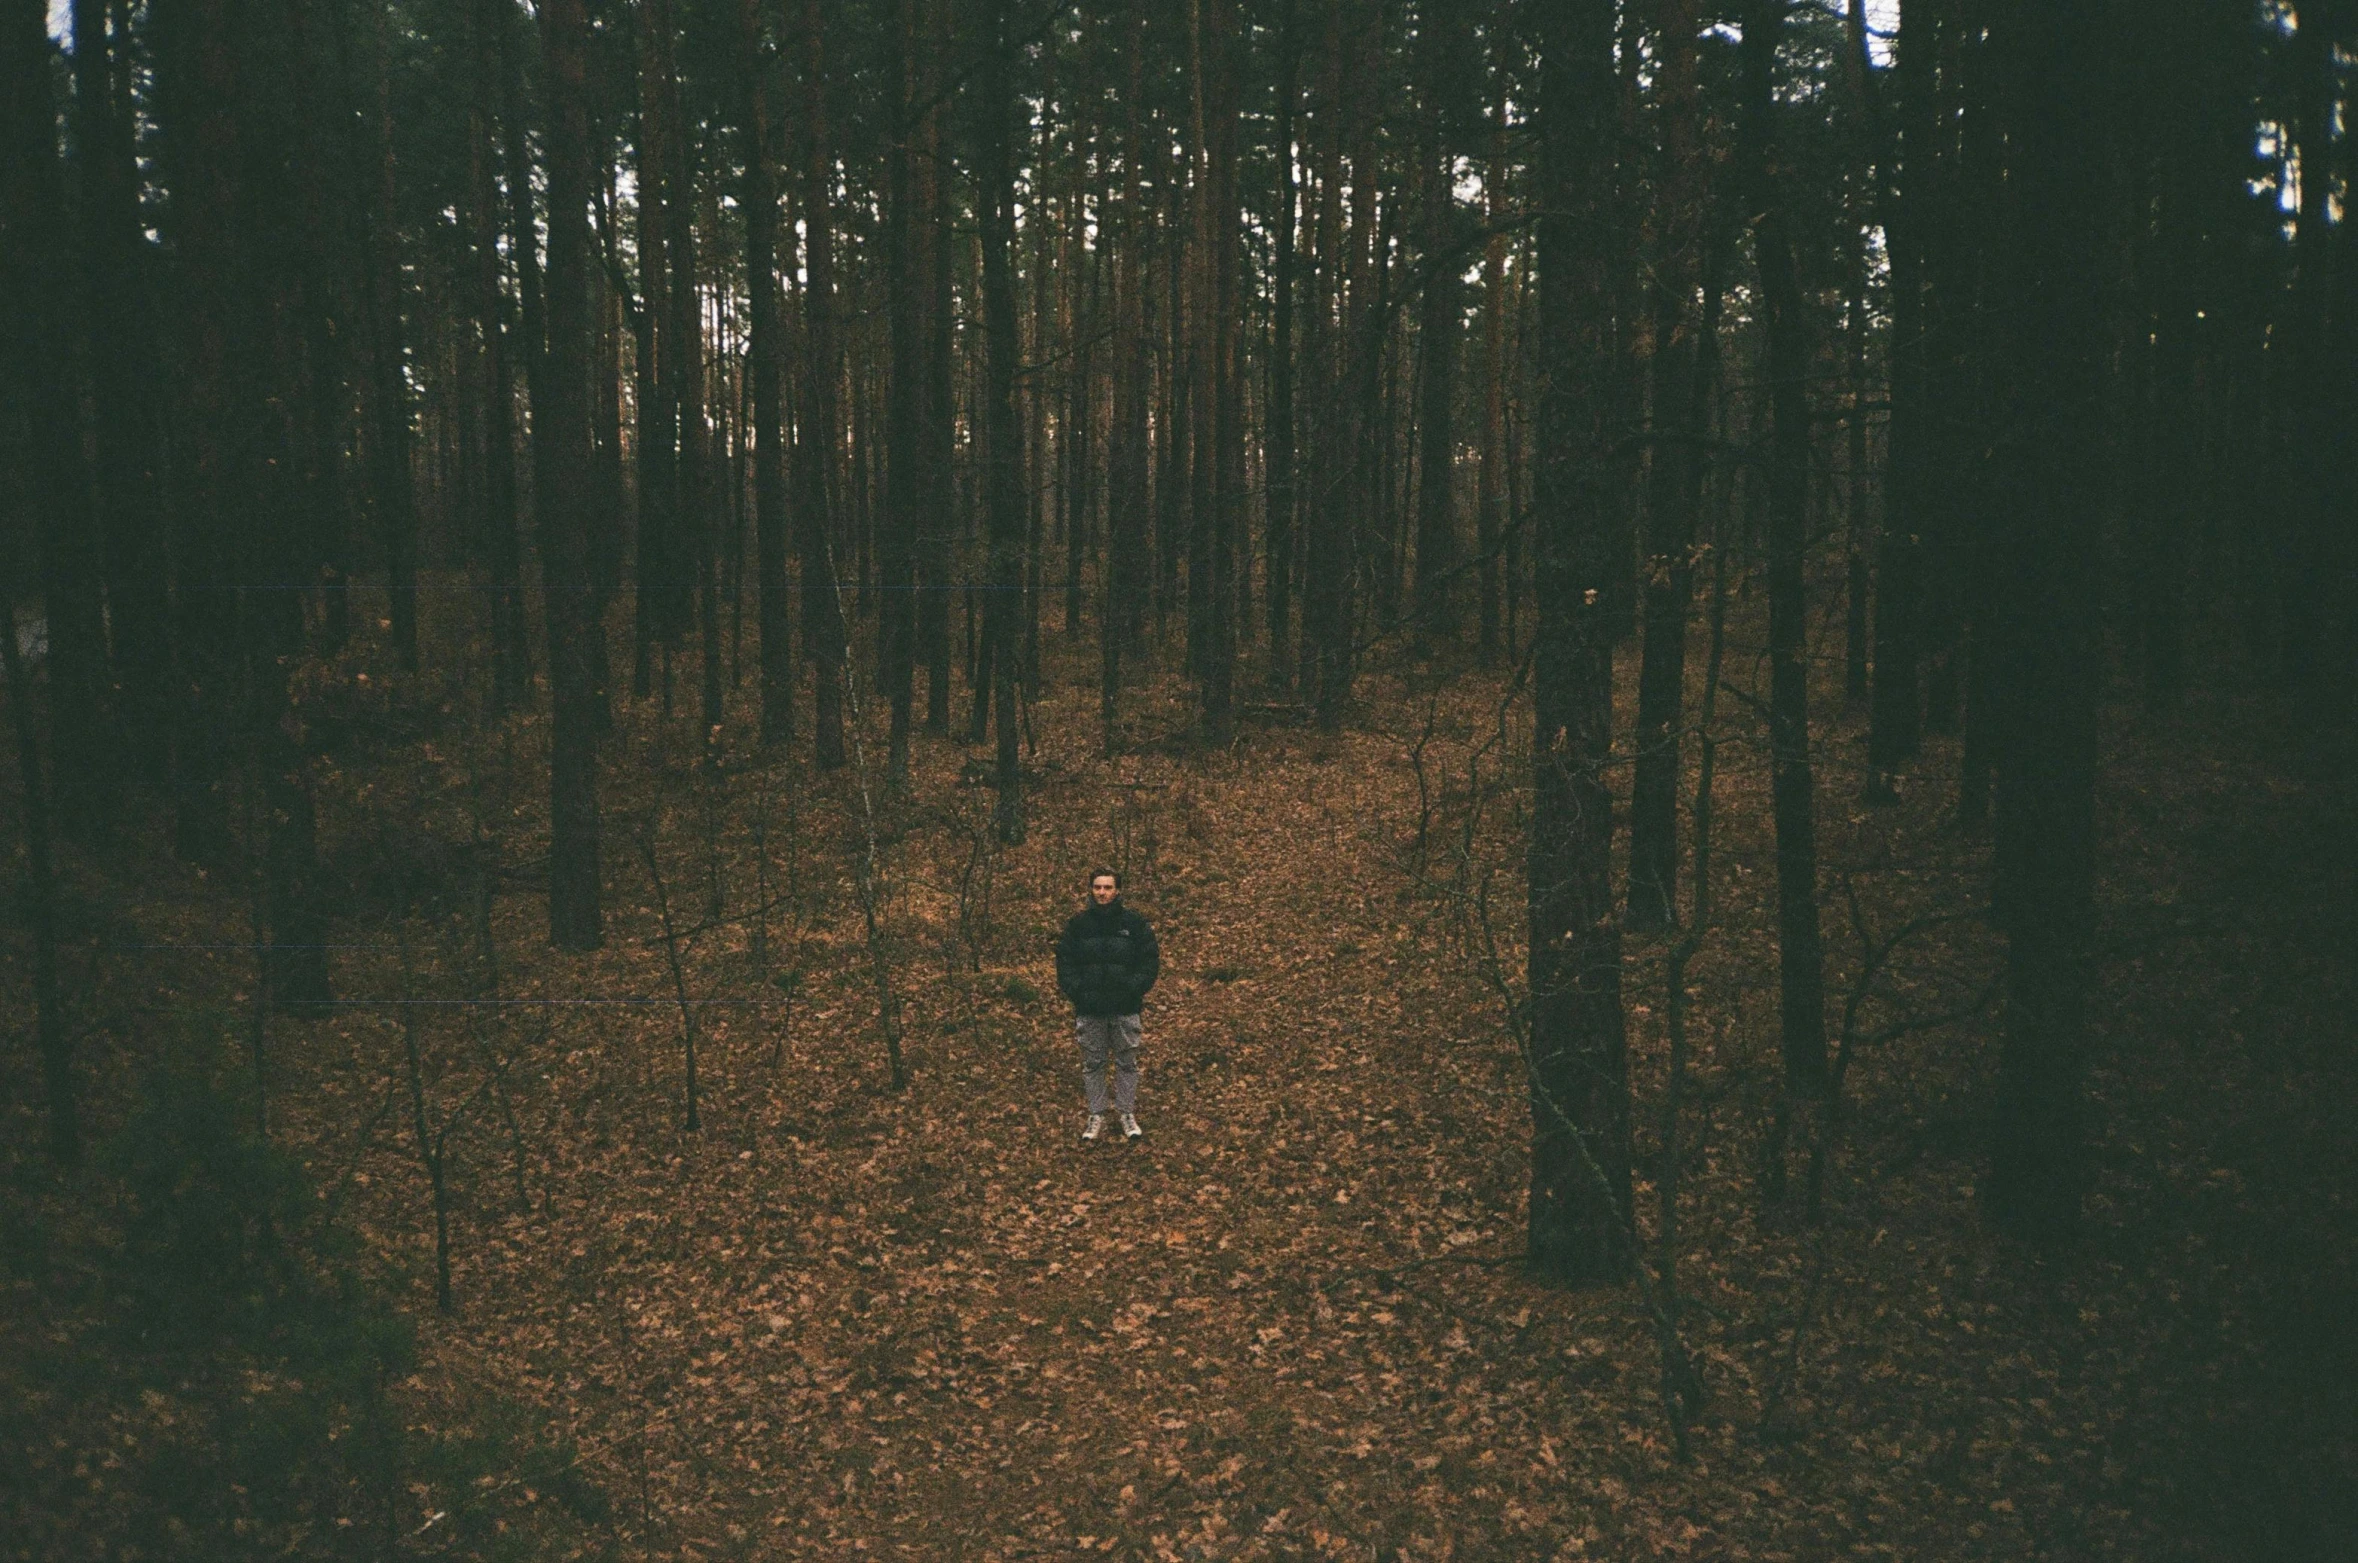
[{"x": 1106, "y": 960}]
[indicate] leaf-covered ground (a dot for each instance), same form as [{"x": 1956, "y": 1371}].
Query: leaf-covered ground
[{"x": 840, "y": 1320}]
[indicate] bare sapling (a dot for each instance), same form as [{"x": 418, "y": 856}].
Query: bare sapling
[
  {"x": 673, "y": 938},
  {"x": 431, "y": 1140},
  {"x": 870, "y": 888}
]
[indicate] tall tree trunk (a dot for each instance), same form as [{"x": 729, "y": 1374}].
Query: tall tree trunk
[
  {"x": 503, "y": 561},
  {"x": 196, "y": 83},
  {"x": 39, "y": 267},
  {"x": 1801, "y": 952},
  {"x": 1578, "y": 1052},
  {"x": 390, "y": 465},
  {"x": 1279, "y": 529},
  {"x": 2048, "y": 631},
  {"x": 909, "y": 228},
  {"x": 822, "y": 617},
  {"x": 765, "y": 353},
  {"x": 995, "y": 193},
  {"x": 941, "y": 405},
  {"x": 1493, "y": 493},
  {"x": 1128, "y": 569},
  {"x": 564, "y": 491},
  {"x": 691, "y": 589},
  {"x": 123, "y": 390},
  {"x": 1676, "y": 477},
  {"x": 1896, "y": 712},
  {"x": 1221, "y": 346},
  {"x": 1438, "y": 331}
]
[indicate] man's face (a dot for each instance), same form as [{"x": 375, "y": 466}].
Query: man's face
[{"x": 1103, "y": 889}]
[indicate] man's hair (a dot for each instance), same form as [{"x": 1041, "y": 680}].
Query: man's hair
[{"x": 1113, "y": 874}]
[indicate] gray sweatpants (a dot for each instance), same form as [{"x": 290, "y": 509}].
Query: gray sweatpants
[{"x": 1103, "y": 1037}]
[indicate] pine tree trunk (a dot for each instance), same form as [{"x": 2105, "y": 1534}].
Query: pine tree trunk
[
  {"x": 1800, "y": 945},
  {"x": 1675, "y": 477},
  {"x": 908, "y": 232},
  {"x": 1492, "y": 499},
  {"x": 940, "y": 410},
  {"x": 1896, "y": 712},
  {"x": 503, "y": 562},
  {"x": 564, "y": 491},
  {"x": 123, "y": 392},
  {"x": 768, "y": 433},
  {"x": 995, "y": 174},
  {"x": 1278, "y": 530},
  {"x": 822, "y": 617},
  {"x": 395, "y": 497}
]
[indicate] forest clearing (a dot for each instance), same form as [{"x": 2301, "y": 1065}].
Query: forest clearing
[{"x": 1291, "y": 1322}]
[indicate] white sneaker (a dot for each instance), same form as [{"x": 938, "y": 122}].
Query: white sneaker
[
  {"x": 1094, "y": 1127},
  {"x": 1130, "y": 1129}
]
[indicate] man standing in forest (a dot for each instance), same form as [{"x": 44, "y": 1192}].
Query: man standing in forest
[{"x": 1105, "y": 962}]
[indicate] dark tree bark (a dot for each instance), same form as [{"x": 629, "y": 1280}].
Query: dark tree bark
[
  {"x": 1676, "y": 478},
  {"x": 503, "y": 559},
  {"x": 2055, "y": 59},
  {"x": 1492, "y": 496},
  {"x": 1278, "y": 530},
  {"x": 1578, "y": 1053},
  {"x": 909, "y": 234},
  {"x": 1438, "y": 330},
  {"x": 39, "y": 268},
  {"x": 691, "y": 586},
  {"x": 1128, "y": 566},
  {"x": 564, "y": 491},
  {"x": 124, "y": 396},
  {"x": 1222, "y": 347},
  {"x": 28, "y": 218},
  {"x": 393, "y": 489},
  {"x": 1896, "y": 712},
  {"x": 765, "y": 354},
  {"x": 933, "y": 543},
  {"x": 196, "y": 85},
  {"x": 822, "y": 616},
  {"x": 995, "y": 178},
  {"x": 1800, "y": 946}
]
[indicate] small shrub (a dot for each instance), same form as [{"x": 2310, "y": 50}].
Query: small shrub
[
  {"x": 1021, "y": 992},
  {"x": 1224, "y": 974}
]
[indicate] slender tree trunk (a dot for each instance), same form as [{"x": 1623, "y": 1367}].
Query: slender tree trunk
[
  {"x": 124, "y": 394},
  {"x": 27, "y": 333},
  {"x": 1857, "y": 575},
  {"x": 1896, "y": 713},
  {"x": 1578, "y": 1053},
  {"x": 196, "y": 85},
  {"x": 1492, "y": 499},
  {"x": 822, "y": 617},
  {"x": 908, "y": 235},
  {"x": 1676, "y": 477},
  {"x": 1801, "y": 953},
  {"x": 1221, "y": 345},
  {"x": 39, "y": 268},
  {"x": 390, "y": 467},
  {"x": 995, "y": 180},
  {"x": 940, "y": 412},
  {"x": 691, "y": 589},
  {"x": 768, "y": 433},
  {"x": 502, "y": 559},
  {"x": 1279, "y": 529},
  {"x": 564, "y": 491},
  {"x": 1438, "y": 332}
]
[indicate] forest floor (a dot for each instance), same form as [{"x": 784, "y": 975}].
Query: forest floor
[{"x": 840, "y": 1319}]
